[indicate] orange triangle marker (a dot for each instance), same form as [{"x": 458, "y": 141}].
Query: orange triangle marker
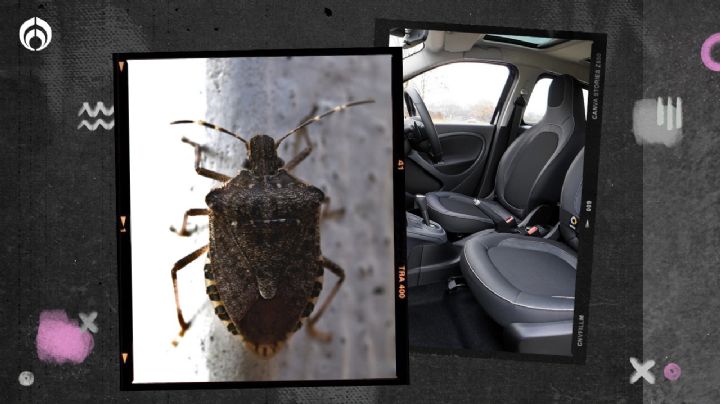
[
  {"x": 124, "y": 356},
  {"x": 122, "y": 64}
]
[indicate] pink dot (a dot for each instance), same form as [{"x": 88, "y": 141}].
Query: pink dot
[
  {"x": 706, "y": 55},
  {"x": 672, "y": 371}
]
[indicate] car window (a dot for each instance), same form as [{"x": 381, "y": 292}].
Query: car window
[
  {"x": 462, "y": 92},
  {"x": 537, "y": 105}
]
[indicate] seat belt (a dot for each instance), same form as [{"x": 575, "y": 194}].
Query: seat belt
[
  {"x": 506, "y": 223},
  {"x": 516, "y": 118},
  {"x": 502, "y": 224}
]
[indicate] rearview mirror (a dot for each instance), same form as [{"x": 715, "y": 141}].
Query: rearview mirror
[{"x": 411, "y": 37}]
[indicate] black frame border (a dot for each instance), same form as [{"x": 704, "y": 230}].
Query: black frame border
[
  {"x": 596, "y": 82},
  {"x": 122, "y": 178}
]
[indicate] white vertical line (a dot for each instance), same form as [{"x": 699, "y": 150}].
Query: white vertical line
[
  {"x": 678, "y": 113},
  {"x": 660, "y": 112},
  {"x": 669, "y": 111}
]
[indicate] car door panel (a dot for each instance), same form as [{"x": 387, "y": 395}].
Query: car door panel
[
  {"x": 464, "y": 149},
  {"x": 460, "y": 151},
  {"x": 420, "y": 175}
]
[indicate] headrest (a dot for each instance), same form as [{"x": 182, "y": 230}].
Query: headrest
[{"x": 565, "y": 98}]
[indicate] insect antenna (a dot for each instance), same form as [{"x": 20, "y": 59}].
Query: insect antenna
[
  {"x": 212, "y": 126},
  {"x": 321, "y": 116}
]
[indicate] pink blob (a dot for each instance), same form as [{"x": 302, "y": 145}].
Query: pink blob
[
  {"x": 705, "y": 54},
  {"x": 60, "y": 340}
]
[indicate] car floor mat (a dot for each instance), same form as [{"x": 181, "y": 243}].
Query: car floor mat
[{"x": 438, "y": 319}]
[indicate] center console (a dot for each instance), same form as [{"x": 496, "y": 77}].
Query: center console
[
  {"x": 419, "y": 233},
  {"x": 430, "y": 257}
]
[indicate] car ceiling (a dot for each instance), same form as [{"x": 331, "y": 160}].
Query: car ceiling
[
  {"x": 569, "y": 57},
  {"x": 572, "y": 51}
]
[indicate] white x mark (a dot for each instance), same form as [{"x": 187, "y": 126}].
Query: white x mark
[
  {"x": 642, "y": 371},
  {"x": 88, "y": 321}
]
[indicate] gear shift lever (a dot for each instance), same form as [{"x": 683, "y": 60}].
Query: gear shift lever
[{"x": 422, "y": 202}]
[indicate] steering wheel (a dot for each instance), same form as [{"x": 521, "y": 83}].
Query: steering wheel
[{"x": 416, "y": 107}]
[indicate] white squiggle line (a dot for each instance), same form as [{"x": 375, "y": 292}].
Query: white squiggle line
[
  {"x": 98, "y": 107},
  {"x": 99, "y": 122}
]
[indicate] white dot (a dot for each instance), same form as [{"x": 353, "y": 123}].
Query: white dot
[{"x": 26, "y": 378}]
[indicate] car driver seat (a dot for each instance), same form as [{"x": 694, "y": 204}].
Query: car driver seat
[
  {"x": 527, "y": 284},
  {"x": 530, "y": 171}
]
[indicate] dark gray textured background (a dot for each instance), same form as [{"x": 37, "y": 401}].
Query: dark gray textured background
[
  {"x": 681, "y": 232},
  {"x": 57, "y": 194}
]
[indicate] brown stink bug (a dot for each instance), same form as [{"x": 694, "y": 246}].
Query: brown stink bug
[{"x": 264, "y": 267}]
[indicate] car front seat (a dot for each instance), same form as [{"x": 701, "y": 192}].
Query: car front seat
[
  {"x": 530, "y": 171},
  {"x": 522, "y": 281}
]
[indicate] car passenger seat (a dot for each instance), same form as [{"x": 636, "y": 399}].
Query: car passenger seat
[
  {"x": 527, "y": 284},
  {"x": 530, "y": 171}
]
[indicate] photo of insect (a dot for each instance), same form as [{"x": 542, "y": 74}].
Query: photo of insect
[{"x": 264, "y": 268}]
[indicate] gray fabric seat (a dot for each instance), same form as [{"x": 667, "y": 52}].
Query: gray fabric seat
[
  {"x": 530, "y": 172},
  {"x": 523, "y": 279}
]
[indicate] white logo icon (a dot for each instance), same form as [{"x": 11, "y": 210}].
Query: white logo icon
[{"x": 38, "y": 29}]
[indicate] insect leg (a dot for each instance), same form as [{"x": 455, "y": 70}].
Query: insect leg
[
  {"x": 201, "y": 170},
  {"x": 182, "y": 263},
  {"x": 334, "y": 268},
  {"x": 190, "y": 212},
  {"x": 330, "y": 214},
  {"x": 303, "y": 134},
  {"x": 299, "y": 157}
]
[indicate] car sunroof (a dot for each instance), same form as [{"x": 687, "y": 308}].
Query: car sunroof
[{"x": 529, "y": 41}]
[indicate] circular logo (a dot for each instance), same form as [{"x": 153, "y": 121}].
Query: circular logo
[
  {"x": 672, "y": 371},
  {"x": 706, "y": 52},
  {"x": 26, "y": 378},
  {"x": 35, "y": 34}
]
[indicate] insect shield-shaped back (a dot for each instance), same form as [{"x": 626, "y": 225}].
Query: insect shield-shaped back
[
  {"x": 264, "y": 269},
  {"x": 264, "y": 252}
]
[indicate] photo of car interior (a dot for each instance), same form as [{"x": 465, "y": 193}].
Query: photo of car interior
[{"x": 494, "y": 142}]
